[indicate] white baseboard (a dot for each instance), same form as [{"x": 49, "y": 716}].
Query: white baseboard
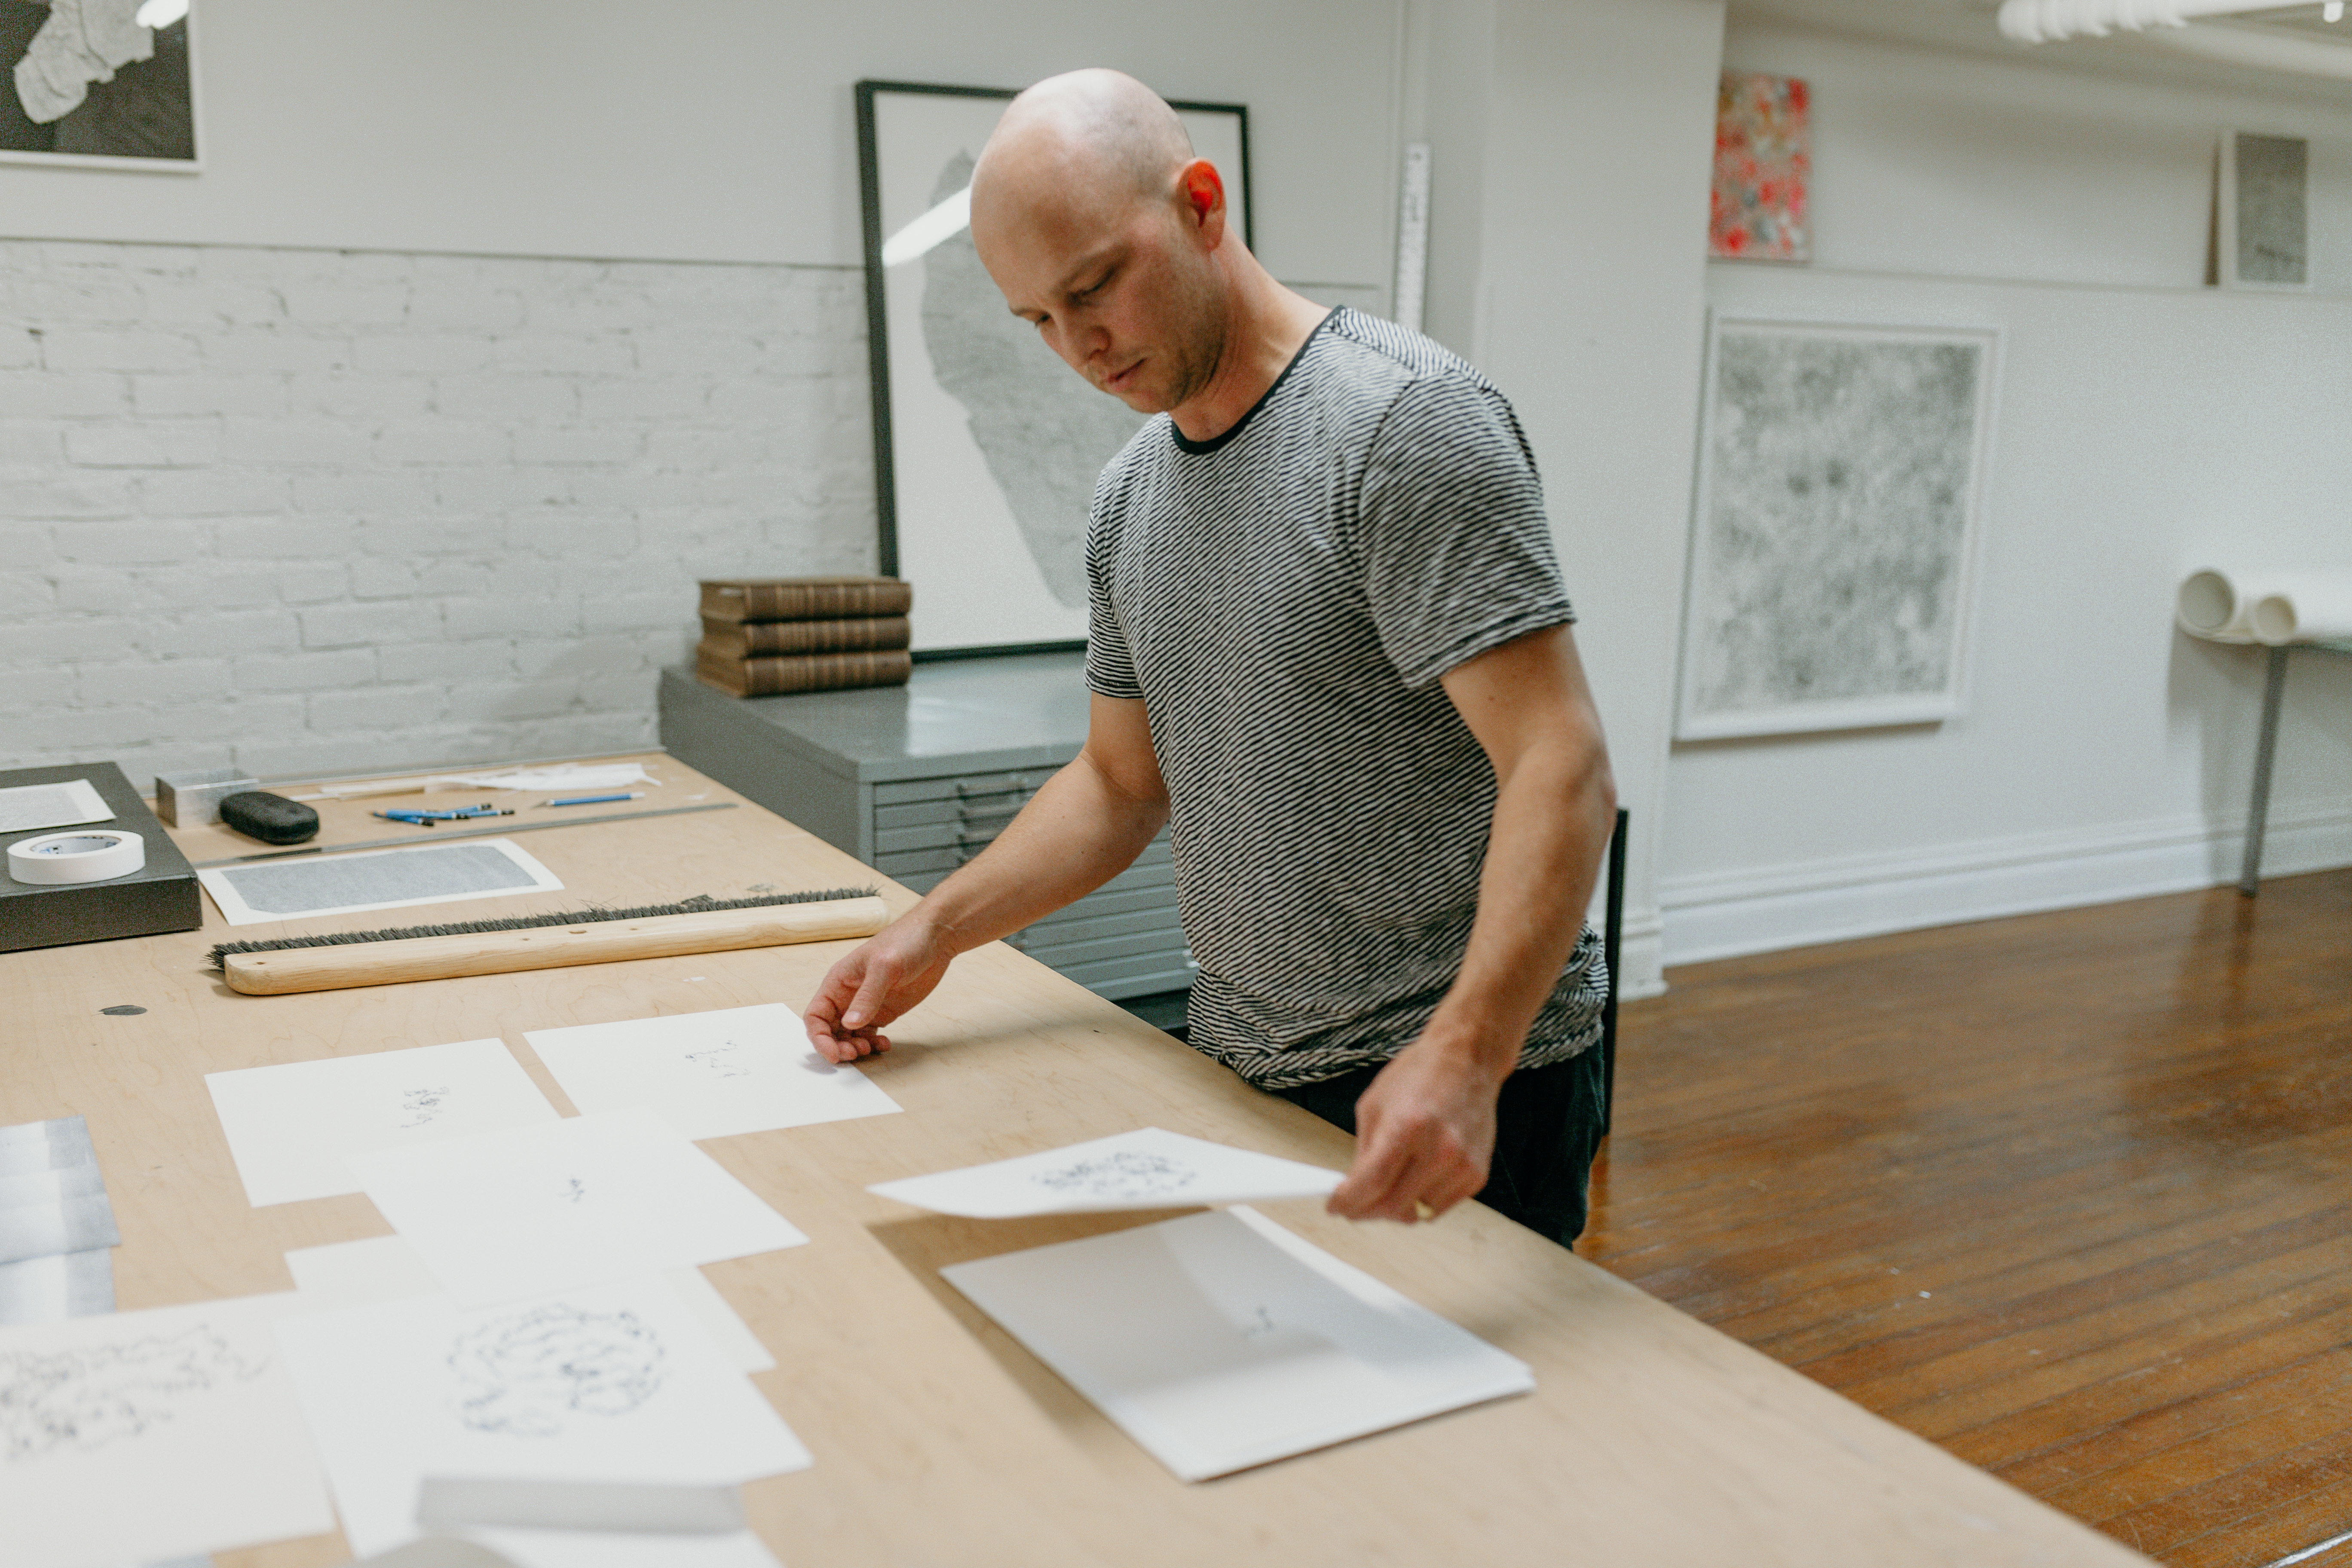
[{"x": 1776, "y": 907}]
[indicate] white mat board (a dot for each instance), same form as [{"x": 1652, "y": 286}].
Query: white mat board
[
  {"x": 291, "y": 1126},
  {"x": 1145, "y": 1169},
  {"x": 531, "y": 1210},
  {"x": 708, "y": 1075},
  {"x": 138, "y": 1436},
  {"x": 1220, "y": 1341},
  {"x": 306, "y": 884}
]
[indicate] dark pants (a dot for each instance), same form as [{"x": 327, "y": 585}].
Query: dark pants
[{"x": 1546, "y": 1131}]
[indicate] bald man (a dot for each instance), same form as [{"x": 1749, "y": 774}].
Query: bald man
[{"x": 1331, "y": 649}]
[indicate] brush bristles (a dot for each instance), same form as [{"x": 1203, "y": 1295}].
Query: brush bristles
[{"x": 701, "y": 904}]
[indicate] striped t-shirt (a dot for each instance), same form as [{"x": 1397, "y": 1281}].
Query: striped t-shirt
[{"x": 1282, "y": 599}]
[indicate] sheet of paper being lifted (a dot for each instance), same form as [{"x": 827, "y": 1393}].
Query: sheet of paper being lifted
[{"x": 1146, "y": 1169}]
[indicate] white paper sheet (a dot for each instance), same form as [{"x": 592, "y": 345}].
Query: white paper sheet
[
  {"x": 1146, "y": 1169},
  {"x": 57, "y": 1145},
  {"x": 386, "y": 1269},
  {"x": 709, "y": 1075},
  {"x": 613, "y": 1383},
  {"x": 532, "y": 1210},
  {"x": 1220, "y": 1341},
  {"x": 137, "y": 1435},
  {"x": 596, "y": 1549},
  {"x": 303, "y": 886},
  {"x": 292, "y": 1127},
  {"x": 23, "y": 807}
]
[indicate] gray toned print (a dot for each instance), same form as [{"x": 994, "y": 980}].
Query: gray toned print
[
  {"x": 2273, "y": 239},
  {"x": 1837, "y": 520},
  {"x": 1044, "y": 432},
  {"x": 434, "y": 872}
]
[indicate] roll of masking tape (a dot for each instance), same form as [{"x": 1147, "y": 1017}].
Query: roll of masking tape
[{"x": 89, "y": 856}]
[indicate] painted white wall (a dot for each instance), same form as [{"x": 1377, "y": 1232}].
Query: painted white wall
[
  {"x": 695, "y": 130},
  {"x": 2145, "y": 423},
  {"x": 1575, "y": 280}
]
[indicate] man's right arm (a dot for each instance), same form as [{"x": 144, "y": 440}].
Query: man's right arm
[{"x": 1083, "y": 827}]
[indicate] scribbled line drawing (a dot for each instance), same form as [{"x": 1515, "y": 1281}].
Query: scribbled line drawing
[
  {"x": 532, "y": 1374},
  {"x": 722, "y": 1059},
  {"x": 422, "y": 1105},
  {"x": 574, "y": 1191},
  {"x": 96, "y": 1395},
  {"x": 1126, "y": 1175},
  {"x": 1261, "y": 1325}
]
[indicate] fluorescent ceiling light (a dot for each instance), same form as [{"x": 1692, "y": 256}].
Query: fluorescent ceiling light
[{"x": 943, "y": 222}]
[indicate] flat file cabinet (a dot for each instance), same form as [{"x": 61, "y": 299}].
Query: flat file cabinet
[{"x": 916, "y": 780}]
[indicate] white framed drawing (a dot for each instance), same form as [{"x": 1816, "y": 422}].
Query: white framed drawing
[
  {"x": 1835, "y": 525},
  {"x": 986, "y": 445},
  {"x": 2261, "y": 231},
  {"x": 101, "y": 84}
]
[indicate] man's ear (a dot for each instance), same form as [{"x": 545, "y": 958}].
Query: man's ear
[{"x": 1202, "y": 191}]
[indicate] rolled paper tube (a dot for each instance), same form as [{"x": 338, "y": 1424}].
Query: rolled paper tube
[
  {"x": 2208, "y": 606},
  {"x": 2304, "y": 606}
]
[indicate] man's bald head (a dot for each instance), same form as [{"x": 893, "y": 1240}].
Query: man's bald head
[{"x": 1091, "y": 142}]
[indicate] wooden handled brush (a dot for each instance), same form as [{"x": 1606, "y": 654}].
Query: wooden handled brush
[{"x": 344, "y": 959}]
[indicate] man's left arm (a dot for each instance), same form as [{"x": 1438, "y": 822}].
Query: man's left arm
[{"x": 1425, "y": 1127}]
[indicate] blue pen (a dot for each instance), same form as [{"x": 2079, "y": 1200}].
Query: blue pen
[{"x": 593, "y": 799}]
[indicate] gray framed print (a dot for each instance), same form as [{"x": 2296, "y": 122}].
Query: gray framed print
[
  {"x": 2261, "y": 230},
  {"x": 1835, "y": 529},
  {"x": 107, "y": 84},
  {"x": 986, "y": 445}
]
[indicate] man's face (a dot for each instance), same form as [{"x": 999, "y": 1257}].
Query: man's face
[{"x": 1121, "y": 291}]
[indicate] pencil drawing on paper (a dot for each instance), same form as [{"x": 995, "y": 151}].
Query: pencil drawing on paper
[
  {"x": 530, "y": 1374},
  {"x": 573, "y": 1191},
  {"x": 93, "y": 1395},
  {"x": 420, "y": 1106},
  {"x": 722, "y": 1060},
  {"x": 1829, "y": 570},
  {"x": 1044, "y": 433},
  {"x": 1124, "y": 1175}
]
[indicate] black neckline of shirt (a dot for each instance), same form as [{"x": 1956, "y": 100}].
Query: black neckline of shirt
[{"x": 1201, "y": 448}]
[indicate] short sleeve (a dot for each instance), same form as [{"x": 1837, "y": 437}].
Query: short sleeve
[
  {"x": 1457, "y": 554},
  {"x": 1110, "y": 667}
]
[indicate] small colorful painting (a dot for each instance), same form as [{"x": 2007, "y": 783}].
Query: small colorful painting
[{"x": 1761, "y": 209}]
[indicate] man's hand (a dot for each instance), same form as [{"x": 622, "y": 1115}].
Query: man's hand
[
  {"x": 886, "y": 974},
  {"x": 1424, "y": 1134}
]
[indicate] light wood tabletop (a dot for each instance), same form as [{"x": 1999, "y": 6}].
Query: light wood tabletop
[{"x": 1649, "y": 1438}]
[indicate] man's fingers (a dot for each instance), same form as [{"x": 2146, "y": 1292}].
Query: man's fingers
[
  {"x": 1395, "y": 1178},
  {"x": 1379, "y": 1161},
  {"x": 872, "y": 991}
]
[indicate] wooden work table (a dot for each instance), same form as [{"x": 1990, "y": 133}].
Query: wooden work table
[{"x": 1650, "y": 1439}]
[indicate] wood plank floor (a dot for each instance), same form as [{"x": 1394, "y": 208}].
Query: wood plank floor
[{"x": 2070, "y": 1194}]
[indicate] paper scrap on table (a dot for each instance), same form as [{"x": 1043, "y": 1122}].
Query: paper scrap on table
[
  {"x": 330, "y": 884},
  {"x": 27, "y": 807},
  {"x": 708, "y": 1075},
  {"x": 1220, "y": 1341},
  {"x": 605, "y": 1549},
  {"x": 293, "y": 1126},
  {"x": 1146, "y": 1169},
  {"x": 386, "y": 1269},
  {"x": 60, "y": 1285},
  {"x": 596, "y": 776},
  {"x": 613, "y": 1383},
  {"x": 138, "y": 1436},
  {"x": 57, "y": 1145},
  {"x": 531, "y": 1210}
]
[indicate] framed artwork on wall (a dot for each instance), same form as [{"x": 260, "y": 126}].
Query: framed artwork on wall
[
  {"x": 1761, "y": 207},
  {"x": 2261, "y": 235},
  {"x": 100, "y": 83},
  {"x": 1836, "y": 518},
  {"x": 986, "y": 445}
]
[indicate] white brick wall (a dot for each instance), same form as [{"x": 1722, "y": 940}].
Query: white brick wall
[{"x": 309, "y": 512}]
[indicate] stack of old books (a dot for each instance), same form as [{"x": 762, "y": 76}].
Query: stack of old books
[{"x": 765, "y": 635}]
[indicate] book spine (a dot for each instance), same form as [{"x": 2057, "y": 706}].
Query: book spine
[
  {"x": 756, "y": 640},
  {"x": 807, "y": 601},
  {"x": 813, "y": 672}
]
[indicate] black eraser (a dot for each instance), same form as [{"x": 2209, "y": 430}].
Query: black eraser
[{"x": 272, "y": 818}]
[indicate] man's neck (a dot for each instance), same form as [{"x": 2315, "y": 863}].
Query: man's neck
[{"x": 1269, "y": 325}]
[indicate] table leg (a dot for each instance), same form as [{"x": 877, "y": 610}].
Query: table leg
[{"x": 2250, "y": 874}]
